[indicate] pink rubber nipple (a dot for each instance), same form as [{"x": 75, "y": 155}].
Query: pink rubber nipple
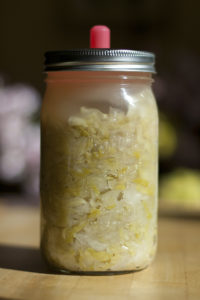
[{"x": 99, "y": 37}]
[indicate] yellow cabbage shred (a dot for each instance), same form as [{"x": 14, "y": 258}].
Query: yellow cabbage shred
[{"x": 99, "y": 189}]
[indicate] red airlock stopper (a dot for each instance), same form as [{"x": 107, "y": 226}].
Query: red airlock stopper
[{"x": 99, "y": 37}]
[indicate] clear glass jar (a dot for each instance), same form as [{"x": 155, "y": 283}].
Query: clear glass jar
[{"x": 99, "y": 140}]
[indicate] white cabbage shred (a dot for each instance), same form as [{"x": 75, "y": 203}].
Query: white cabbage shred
[{"x": 99, "y": 189}]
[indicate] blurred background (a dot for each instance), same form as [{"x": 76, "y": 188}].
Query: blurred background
[{"x": 170, "y": 29}]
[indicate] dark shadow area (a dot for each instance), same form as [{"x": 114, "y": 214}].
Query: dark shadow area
[
  {"x": 22, "y": 259},
  {"x": 184, "y": 216},
  {"x": 30, "y": 260},
  {"x": 5, "y": 298}
]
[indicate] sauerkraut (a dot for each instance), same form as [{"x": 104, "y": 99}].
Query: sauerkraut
[{"x": 99, "y": 189}]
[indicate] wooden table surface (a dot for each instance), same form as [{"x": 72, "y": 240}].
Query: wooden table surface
[{"x": 175, "y": 273}]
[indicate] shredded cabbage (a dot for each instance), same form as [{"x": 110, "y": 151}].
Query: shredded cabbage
[{"x": 99, "y": 189}]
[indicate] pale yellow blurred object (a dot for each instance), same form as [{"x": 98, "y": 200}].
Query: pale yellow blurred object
[
  {"x": 167, "y": 137},
  {"x": 181, "y": 190}
]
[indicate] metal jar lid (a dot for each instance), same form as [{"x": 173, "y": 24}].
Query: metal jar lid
[{"x": 100, "y": 60}]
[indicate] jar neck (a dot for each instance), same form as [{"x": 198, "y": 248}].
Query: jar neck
[{"x": 60, "y": 76}]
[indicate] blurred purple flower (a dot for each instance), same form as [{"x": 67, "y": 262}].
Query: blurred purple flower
[{"x": 19, "y": 137}]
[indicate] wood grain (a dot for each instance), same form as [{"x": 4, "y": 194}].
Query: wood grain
[{"x": 175, "y": 273}]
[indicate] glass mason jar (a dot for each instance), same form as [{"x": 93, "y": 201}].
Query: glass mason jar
[{"x": 99, "y": 157}]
